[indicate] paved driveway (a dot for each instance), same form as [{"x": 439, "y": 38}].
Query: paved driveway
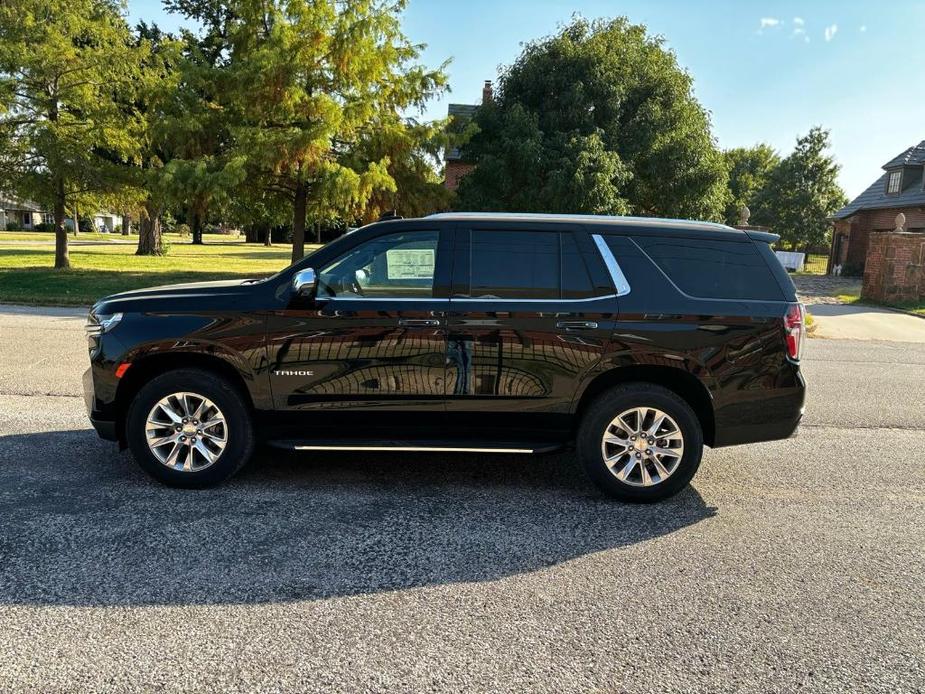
[
  {"x": 835, "y": 319},
  {"x": 794, "y": 564},
  {"x": 855, "y": 321}
]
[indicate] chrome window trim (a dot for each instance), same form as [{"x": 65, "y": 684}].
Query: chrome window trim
[
  {"x": 533, "y": 301},
  {"x": 468, "y": 298},
  {"x": 616, "y": 274}
]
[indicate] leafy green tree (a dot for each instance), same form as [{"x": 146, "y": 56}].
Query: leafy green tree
[
  {"x": 66, "y": 67},
  {"x": 749, "y": 169},
  {"x": 598, "y": 118},
  {"x": 143, "y": 190},
  {"x": 802, "y": 192},
  {"x": 301, "y": 82},
  {"x": 411, "y": 150}
]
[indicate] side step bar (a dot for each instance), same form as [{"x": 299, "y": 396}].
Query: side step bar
[{"x": 418, "y": 446}]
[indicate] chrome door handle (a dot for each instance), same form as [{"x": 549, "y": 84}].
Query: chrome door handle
[
  {"x": 577, "y": 324},
  {"x": 419, "y": 322}
]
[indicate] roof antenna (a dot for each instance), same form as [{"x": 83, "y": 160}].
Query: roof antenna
[{"x": 389, "y": 215}]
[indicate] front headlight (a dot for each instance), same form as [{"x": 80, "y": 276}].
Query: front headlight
[{"x": 97, "y": 325}]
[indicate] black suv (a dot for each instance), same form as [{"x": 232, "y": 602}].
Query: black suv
[{"x": 638, "y": 340}]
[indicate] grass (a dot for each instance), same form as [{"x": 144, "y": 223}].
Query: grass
[
  {"x": 917, "y": 307},
  {"x": 27, "y": 274},
  {"x": 49, "y": 236}
]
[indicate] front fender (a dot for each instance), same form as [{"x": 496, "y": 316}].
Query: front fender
[{"x": 239, "y": 340}]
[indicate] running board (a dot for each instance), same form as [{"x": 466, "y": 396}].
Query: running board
[{"x": 419, "y": 446}]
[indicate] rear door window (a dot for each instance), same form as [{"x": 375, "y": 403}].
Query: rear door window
[
  {"x": 526, "y": 265},
  {"x": 713, "y": 269},
  {"x": 514, "y": 265}
]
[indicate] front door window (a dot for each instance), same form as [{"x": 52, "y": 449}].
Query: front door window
[{"x": 398, "y": 265}]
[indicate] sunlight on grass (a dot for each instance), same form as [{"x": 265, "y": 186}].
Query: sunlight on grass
[{"x": 27, "y": 275}]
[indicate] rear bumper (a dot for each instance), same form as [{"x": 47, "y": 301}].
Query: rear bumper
[
  {"x": 755, "y": 433},
  {"x": 772, "y": 417}
]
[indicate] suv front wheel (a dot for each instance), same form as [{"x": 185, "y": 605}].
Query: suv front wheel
[
  {"x": 640, "y": 442},
  {"x": 189, "y": 428}
]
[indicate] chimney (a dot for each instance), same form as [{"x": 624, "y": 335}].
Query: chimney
[{"x": 486, "y": 92}]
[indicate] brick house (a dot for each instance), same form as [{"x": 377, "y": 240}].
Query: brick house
[
  {"x": 456, "y": 168},
  {"x": 900, "y": 189}
]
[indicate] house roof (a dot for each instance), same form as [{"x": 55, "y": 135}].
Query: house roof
[
  {"x": 10, "y": 203},
  {"x": 464, "y": 112},
  {"x": 461, "y": 110},
  {"x": 914, "y": 156},
  {"x": 875, "y": 197}
]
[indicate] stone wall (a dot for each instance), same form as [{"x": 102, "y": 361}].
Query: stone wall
[
  {"x": 895, "y": 269},
  {"x": 856, "y": 230}
]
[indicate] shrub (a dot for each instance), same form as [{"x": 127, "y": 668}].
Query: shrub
[
  {"x": 183, "y": 230},
  {"x": 852, "y": 270},
  {"x": 13, "y": 225},
  {"x": 218, "y": 229}
]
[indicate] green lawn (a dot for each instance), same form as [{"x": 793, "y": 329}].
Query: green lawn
[
  {"x": 49, "y": 236},
  {"x": 914, "y": 307},
  {"x": 27, "y": 276}
]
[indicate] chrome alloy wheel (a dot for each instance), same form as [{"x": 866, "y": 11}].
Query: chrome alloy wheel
[
  {"x": 186, "y": 432},
  {"x": 642, "y": 447}
]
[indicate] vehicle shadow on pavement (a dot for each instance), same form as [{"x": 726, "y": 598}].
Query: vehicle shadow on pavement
[{"x": 82, "y": 525}]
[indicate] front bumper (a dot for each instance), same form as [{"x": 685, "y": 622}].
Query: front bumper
[{"x": 105, "y": 427}]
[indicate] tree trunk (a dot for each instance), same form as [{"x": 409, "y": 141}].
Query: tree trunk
[
  {"x": 126, "y": 224},
  {"x": 318, "y": 233},
  {"x": 298, "y": 222},
  {"x": 62, "y": 258},
  {"x": 268, "y": 237},
  {"x": 149, "y": 232},
  {"x": 76, "y": 219},
  {"x": 196, "y": 226}
]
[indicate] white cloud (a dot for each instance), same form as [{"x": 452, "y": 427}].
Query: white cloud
[
  {"x": 798, "y": 21},
  {"x": 863, "y": 28},
  {"x": 830, "y": 32},
  {"x": 769, "y": 22}
]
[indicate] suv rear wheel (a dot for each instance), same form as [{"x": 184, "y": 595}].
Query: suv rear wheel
[
  {"x": 640, "y": 442},
  {"x": 189, "y": 428}
]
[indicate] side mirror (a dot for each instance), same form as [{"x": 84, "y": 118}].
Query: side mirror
[{"x": 304, "y": 282}]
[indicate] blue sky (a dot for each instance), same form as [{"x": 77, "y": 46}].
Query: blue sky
[{"x": 766, "y": 71}]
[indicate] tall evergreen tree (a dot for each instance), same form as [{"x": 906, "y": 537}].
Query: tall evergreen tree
[
  {"x": 300, "y": 82},
  {"x": 749, "y": 169},
  {"x": 802, "y": 192},
  {"x": 66, "y": 70}
]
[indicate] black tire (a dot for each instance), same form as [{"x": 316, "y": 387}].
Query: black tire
[
  {"x": 240, "y": 432},
  {"x": 612, "y": 403}
]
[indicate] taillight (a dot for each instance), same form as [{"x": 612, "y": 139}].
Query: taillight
[{"x": 794, "y": 327}]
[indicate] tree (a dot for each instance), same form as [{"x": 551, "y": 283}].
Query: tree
[
  {"x": 411, "y": 150},
  {"x": 65, "y": 68},
  {"x": 802, "y": 192},
  {"x": 749, "y": 169},
  {"x": 301, "y": 82},
  {"x": 597, "y": 118}
]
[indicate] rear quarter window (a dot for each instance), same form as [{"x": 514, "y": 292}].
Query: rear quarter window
[{"x": 713, "y": 269}]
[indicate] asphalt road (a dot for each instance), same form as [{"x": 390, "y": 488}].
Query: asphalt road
[{"x": 790, "y": 565}]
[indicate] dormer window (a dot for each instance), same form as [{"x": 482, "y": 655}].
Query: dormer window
[{"x": 892, "y": 187}]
